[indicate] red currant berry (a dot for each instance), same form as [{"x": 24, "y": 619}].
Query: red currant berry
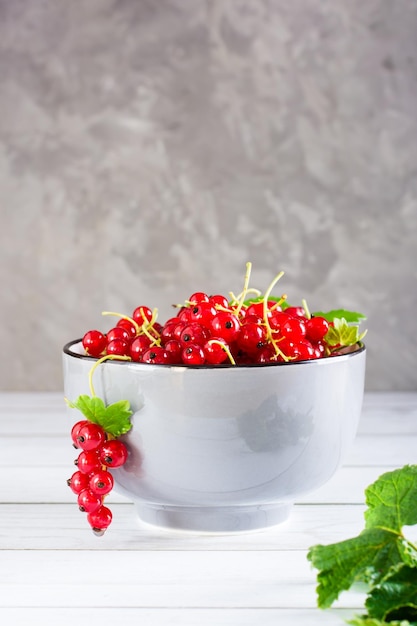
[
  {"x": 87, "y": 462},
  {"x": 193, "y": 333},
  {"x": 184, "y": 314},
  {"x": 177, "y": 330},
  {"x": 142, "y": 314},
  {"x": 138, "y": 346},
  {"x": 214, "y": 351},
  {"x": 118, "y": 333},
  {"x": 225, "y": 325},
  {"x": 294, "y": 328},
  {"x": 295, "y": 311},
  {"x": 197, "y": 297},
  {"x": 118, "y": 347},
  {"x": 94, "y": 343},
  {"x": 127, "y": 325},
  {"x": 173, "y": 348},
  {"x": 90, "y": 436},
  {"x": 101, "y": 482},
  {"x": 304, "y": 350},
  {"x": 100, "y": 520},
  {"x": 89, "y": 501},
  {"x": 78, "y": 482},
  {"x": 316, "y": 328},
  {"x": 75, "y": 430},
  {"x": 193, "y": 355},
  {"x": 113, "y": 453},
  {"x": 155, "y": 355},
  {"x": 251, "y": 338},
  {"x": 257, "y": 308},
  {"x": 219, "y": 301},
  {"x": 203, "y": 313}
]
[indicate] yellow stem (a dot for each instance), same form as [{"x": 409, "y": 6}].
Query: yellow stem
[
  {"x": 306, "y": 309},
  {"x": 225, "y": 348},
  {"x": 107, "y": 357},
  {"x": 265, "y": 316},
  {"x": 245, "y": 287},
  {"x": 124, "y": 317}
]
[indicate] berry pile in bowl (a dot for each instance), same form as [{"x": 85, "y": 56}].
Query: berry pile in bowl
[{"x": 220, "y": 417}]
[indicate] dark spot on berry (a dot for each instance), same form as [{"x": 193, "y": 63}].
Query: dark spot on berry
[
  {"x": 186, "y": 337},
  {"x": 195, "y": 310},
  {"x": 228, "y": 325}
]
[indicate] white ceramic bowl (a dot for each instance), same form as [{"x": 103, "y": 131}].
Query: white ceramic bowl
[{"x": 226, "y": 448}]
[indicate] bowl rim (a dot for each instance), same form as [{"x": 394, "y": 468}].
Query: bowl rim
[{"x": 84, "y": 357}]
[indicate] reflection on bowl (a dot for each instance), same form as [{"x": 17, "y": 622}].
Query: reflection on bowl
[{"x": 227, "y": 448}]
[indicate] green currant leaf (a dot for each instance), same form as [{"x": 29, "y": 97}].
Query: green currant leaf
[
  {"x": 342, "y": 564},
  {"x": 392, "y": 500},
  {"x": 341, "y": 334},
  {"x": 351, "y": 317},
  {"x": 371, "y": 621},
  {"x": 395, "y": 597},
  {"x": 114, "y": 418},
  {"x": 380, "y": 552}
]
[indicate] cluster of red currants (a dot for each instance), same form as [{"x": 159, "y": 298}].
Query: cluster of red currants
[
  {"x": 209, "y": 330},
  {"x": 92, "y": 481}
]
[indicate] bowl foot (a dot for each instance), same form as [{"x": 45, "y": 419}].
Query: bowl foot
[{"x": 214, "y": 519}]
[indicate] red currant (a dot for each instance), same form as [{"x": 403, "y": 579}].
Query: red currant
[
  {"x": 127, "y": 325},
  {"x": 251, "y": 338},
  {"x": 173, "y": 348},
  {"x": 203, "y": 313},
  {"x": 75, "y": 430},
  {"x": 225, "y": 325},
  {"x": 113, "y": 453},
  {"x": 88, "y": 461},
  {"x": 78, "y": 482},
  {"x": 295, "y": 311},
  {"x": 90, "y": 436},
  {"x": 193, "y": 355},
  {"x": 118, "y": 333},
  {"x": 94, "y": 343},
  {"x": 155, "y": 355},
  {"x": 101, "y": 482},
  {"x": 214, "y": 351},
  {"x": 118, "y": 347},
  {"x": 219, "y": 301},
  {"x": 197, "y": 297},
  {"x": 100, "y": 520},
  {"x": 138, "y": 346},
  {"x": 142, "y": 314},
  {"x": 193, "y": 333},
  {"x": 316, "y": 328},
  {"x": 89, "y": 501}
]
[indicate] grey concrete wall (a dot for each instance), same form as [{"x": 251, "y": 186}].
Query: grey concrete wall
[{"x": 149, "y": 149}]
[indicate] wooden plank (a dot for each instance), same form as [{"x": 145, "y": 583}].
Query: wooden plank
[
  {"x": 63, "y": 527},
  {"x": 267, "y": 579},
  {"x": 64, "y": 616}
]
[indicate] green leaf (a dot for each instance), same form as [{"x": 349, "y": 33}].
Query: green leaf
[
  {"x": 114, "y": 418},
  {"x": 392, "y": 500},
  {"x": 395, "y": 597},
  {"x": 353, "y": 560},
  {"x": 351, "y": 317},
  {"x": 371, "y": 621},
  {"x": 342, "y": 335}
]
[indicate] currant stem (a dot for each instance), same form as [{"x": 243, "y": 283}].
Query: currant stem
[
  {"x": 265, "y": 315},
  {"x": 306, "y": 309},
  {"x": 124, "y": 317},
  {"x": 245, "y": 287},
  {"x": 225, "y": 348},
  {"x": 107, "y": 357}
]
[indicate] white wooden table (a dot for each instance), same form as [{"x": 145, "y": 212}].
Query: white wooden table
[{"x": 54, "y": 571}]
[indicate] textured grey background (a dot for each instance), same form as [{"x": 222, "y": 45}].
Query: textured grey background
[{"x": 149, "y": 149}]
